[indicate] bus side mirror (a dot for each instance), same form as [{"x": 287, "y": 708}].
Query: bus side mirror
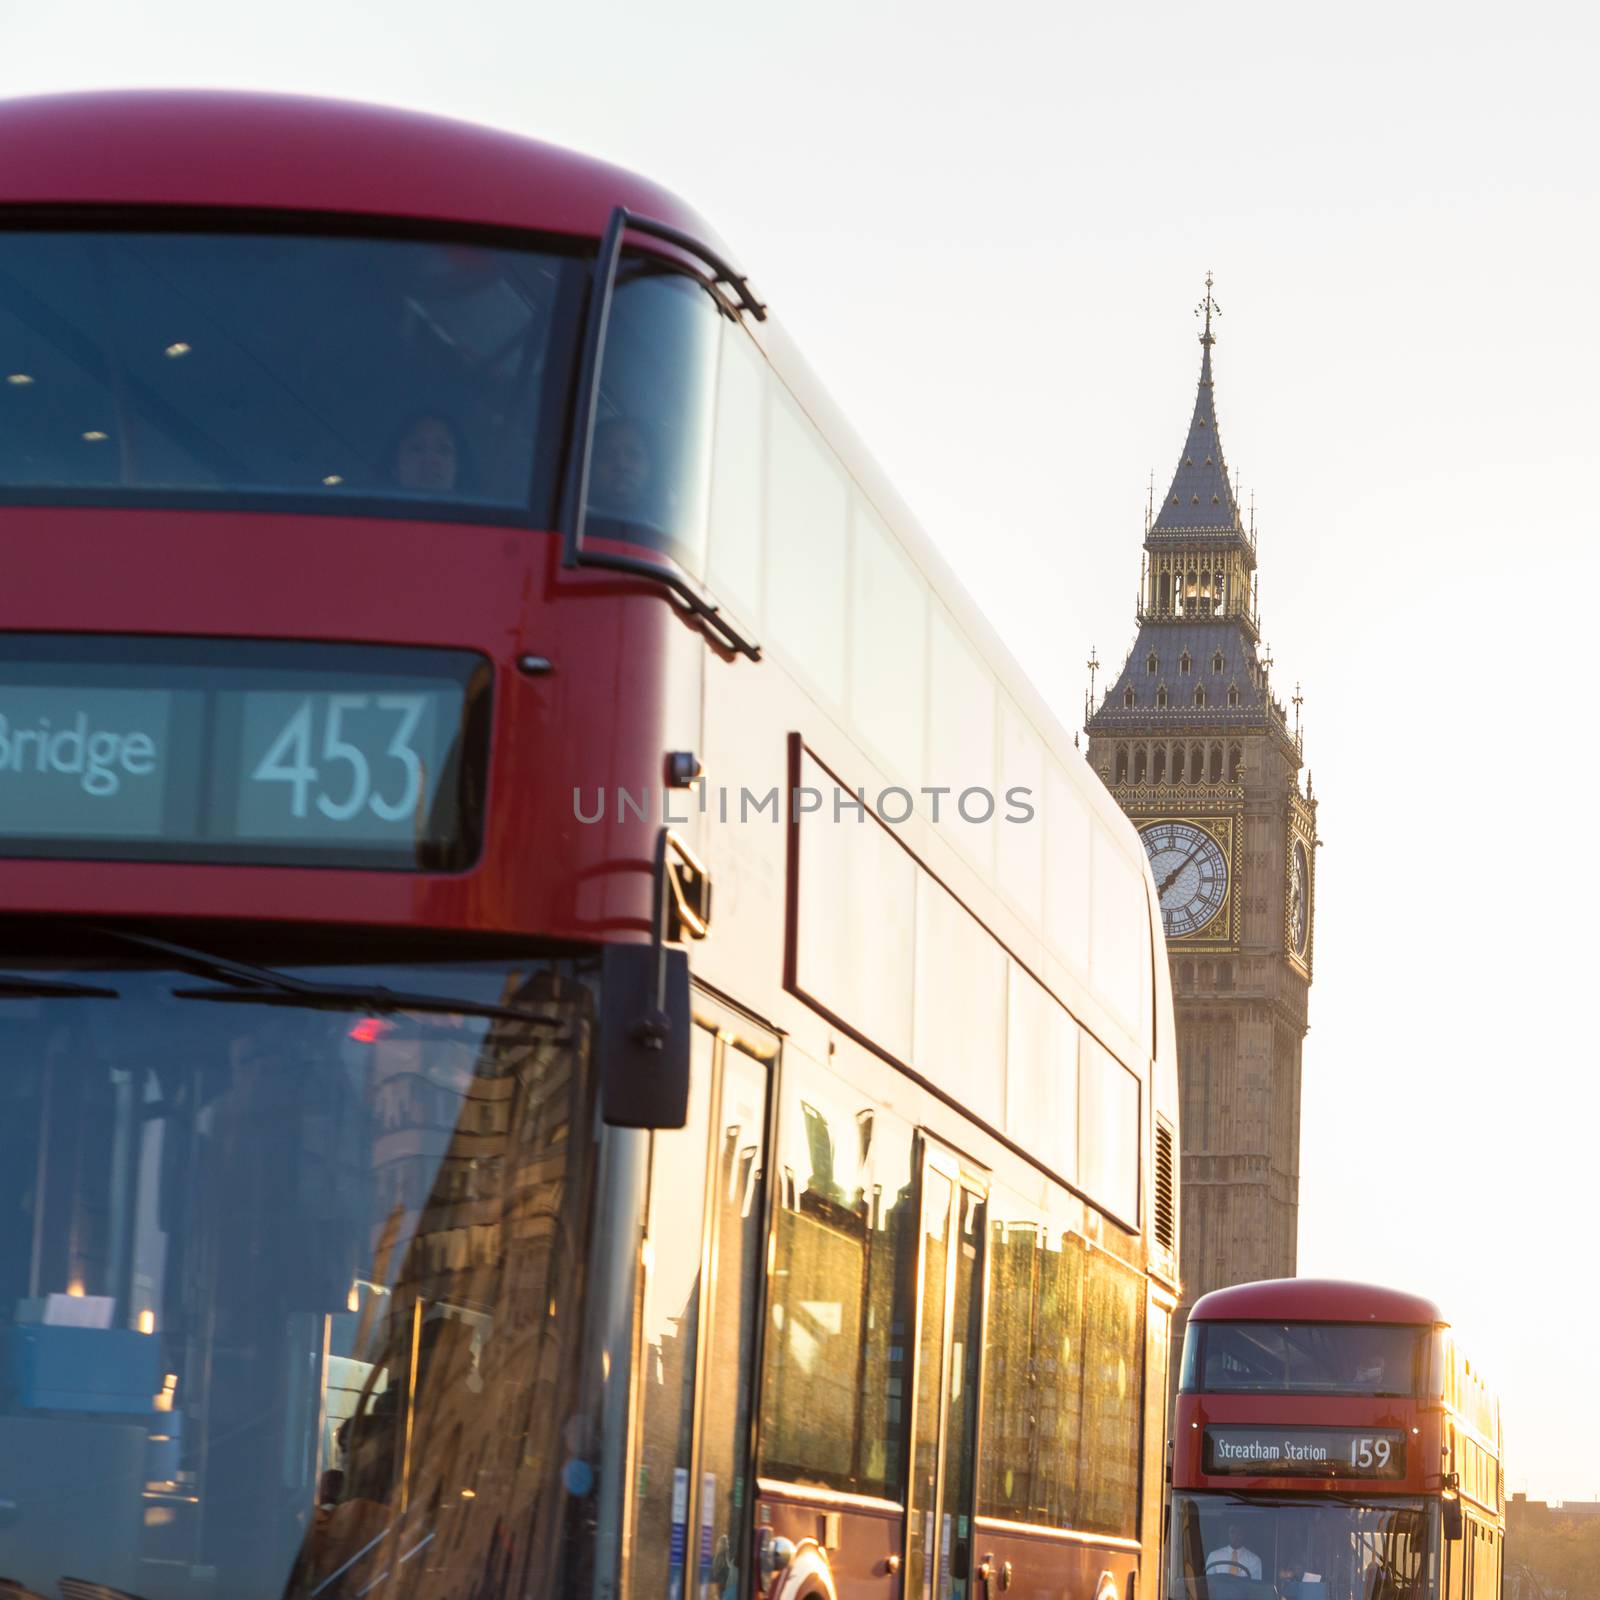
[
  {"x": 1451, "y": 1519},
  {"x": 643, "y": 1045}
]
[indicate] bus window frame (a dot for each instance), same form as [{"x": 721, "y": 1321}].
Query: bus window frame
[{"x": 585, "y": 415}]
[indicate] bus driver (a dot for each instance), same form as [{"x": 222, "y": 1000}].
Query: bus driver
[{"x": 1234, "y": 1559}]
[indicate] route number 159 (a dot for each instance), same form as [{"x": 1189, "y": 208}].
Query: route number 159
[{"x": 1370, "y": 1454}]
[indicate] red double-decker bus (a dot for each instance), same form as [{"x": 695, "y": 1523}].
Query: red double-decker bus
[
  {"x": 570, "y": 1025},
  {"x": 1331, "y": 1442}
]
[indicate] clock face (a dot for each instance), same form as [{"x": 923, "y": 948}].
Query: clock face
[
  {"x": 1299, "y": 898},
  {"x": 1191, "y": 875}
]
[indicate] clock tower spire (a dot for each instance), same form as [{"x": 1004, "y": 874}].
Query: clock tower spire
[{"x": 1197, "y": 748}]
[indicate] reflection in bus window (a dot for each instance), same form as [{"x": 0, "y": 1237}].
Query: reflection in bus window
[
  {"x": 1063, "y": 1378},
  {"x": 650, "y": 459},
  {"x": 1113, "y": 1343},
  {"x": 144, "y": 364},
  {"x": 297, "y": 1281},
  {"x": 836, "y": 1348}
]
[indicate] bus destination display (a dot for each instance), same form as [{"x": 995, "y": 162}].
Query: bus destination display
[
  {"x": 1261, "y": 1452},
  {"x": 232, "y": 751}
]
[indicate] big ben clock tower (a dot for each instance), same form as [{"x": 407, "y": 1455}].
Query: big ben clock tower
[{"x": 1197, "y": 749}]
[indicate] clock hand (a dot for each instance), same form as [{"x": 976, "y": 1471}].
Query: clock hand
[{"x": 1172, "y": 877}]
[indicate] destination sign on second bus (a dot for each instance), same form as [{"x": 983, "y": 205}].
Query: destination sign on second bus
[
  {"x": 200, "y": 750},
  {"x": 1305, "y": 1452}
]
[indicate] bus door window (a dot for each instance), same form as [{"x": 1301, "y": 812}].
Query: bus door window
[
  {"x": 674, "y": 1247},
  {"x": 922, "y": 1506},
  {"x": 966, "y": 1336},
  {"x": 737, "y": 1255},
  {"x": 650, "y": 453},
  {"x": 940, "y": 1504},
  {"x": 705, "y": 1251}
]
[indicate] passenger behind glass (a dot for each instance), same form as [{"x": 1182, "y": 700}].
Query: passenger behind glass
[
  {"x": 1295, "y": 1581},
  {"x": 427, "y": 455},
  {"x": 1368, "y": 1370},
  {"x": 312, "y": 1560},
  {"x": 352, "y": 1507},
  {"x": 620, "y": 470},
  {"x": 330, "y": 1489}
]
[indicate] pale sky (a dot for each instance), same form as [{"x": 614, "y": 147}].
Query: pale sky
[{"x": 987, "y": 229}]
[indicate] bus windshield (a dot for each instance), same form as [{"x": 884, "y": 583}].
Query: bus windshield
[
  {"x": 149, "y": 365},
  {"x": 290, "y": 1288},
  {"x": 1224, "y": 1548},
  {"x": 1304, "y": 1357}
]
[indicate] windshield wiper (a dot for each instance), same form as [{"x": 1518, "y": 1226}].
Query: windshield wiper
[
  {"x": 247, "y": 983},
  {"x": 13, "y": 987}
]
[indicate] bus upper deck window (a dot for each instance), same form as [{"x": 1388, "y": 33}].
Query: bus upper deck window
[
  {"x": 377, "y": 376},
  {"x": 649, "y": 465}
]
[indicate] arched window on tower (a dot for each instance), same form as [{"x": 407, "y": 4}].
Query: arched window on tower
[
  {"x": 1161, "y": 698},
  {"x": 1205, "y": 594},
  {"x": 1150, "y": 664},
  {"x": 1127, "y": 699},
  {"x": 1158, "y": 772},
  {"x": 1233, "y": 694},
  {"x": 1186, "y": 975},
  {"x": 1197, "y": 764},
  {"x": 1217, "y": 663},
  {"x": 1166, "y": 592},
  {"x": 1122, "y": 763},
  {"x": 1199, "y": 694},
  {"x": 1235, "y": 761},
  {"x": 1191, "y": 592},
  {"x": 1216, "y": 763},
  {"x": 1184, "y": 663},
  {"x": 1141, "y": 763},
  {"x": 1177, "y": 764}
]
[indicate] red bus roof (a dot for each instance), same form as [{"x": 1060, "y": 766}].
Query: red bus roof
[
  {"x": 285, "y": 152},
  {"x": 1313, "y": 1300}
]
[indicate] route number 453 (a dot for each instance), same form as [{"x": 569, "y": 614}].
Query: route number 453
[
  {"x": 1370, "y": 1453},
  {"x": 338, "y": 777}
]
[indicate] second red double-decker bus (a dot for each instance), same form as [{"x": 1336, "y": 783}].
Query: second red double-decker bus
[
  {"x": 436, "y": 600},
  {"x": 1331, "y": 1442}
]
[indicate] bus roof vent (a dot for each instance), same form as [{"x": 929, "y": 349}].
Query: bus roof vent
[{"x": 1166, "y": 1190}]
